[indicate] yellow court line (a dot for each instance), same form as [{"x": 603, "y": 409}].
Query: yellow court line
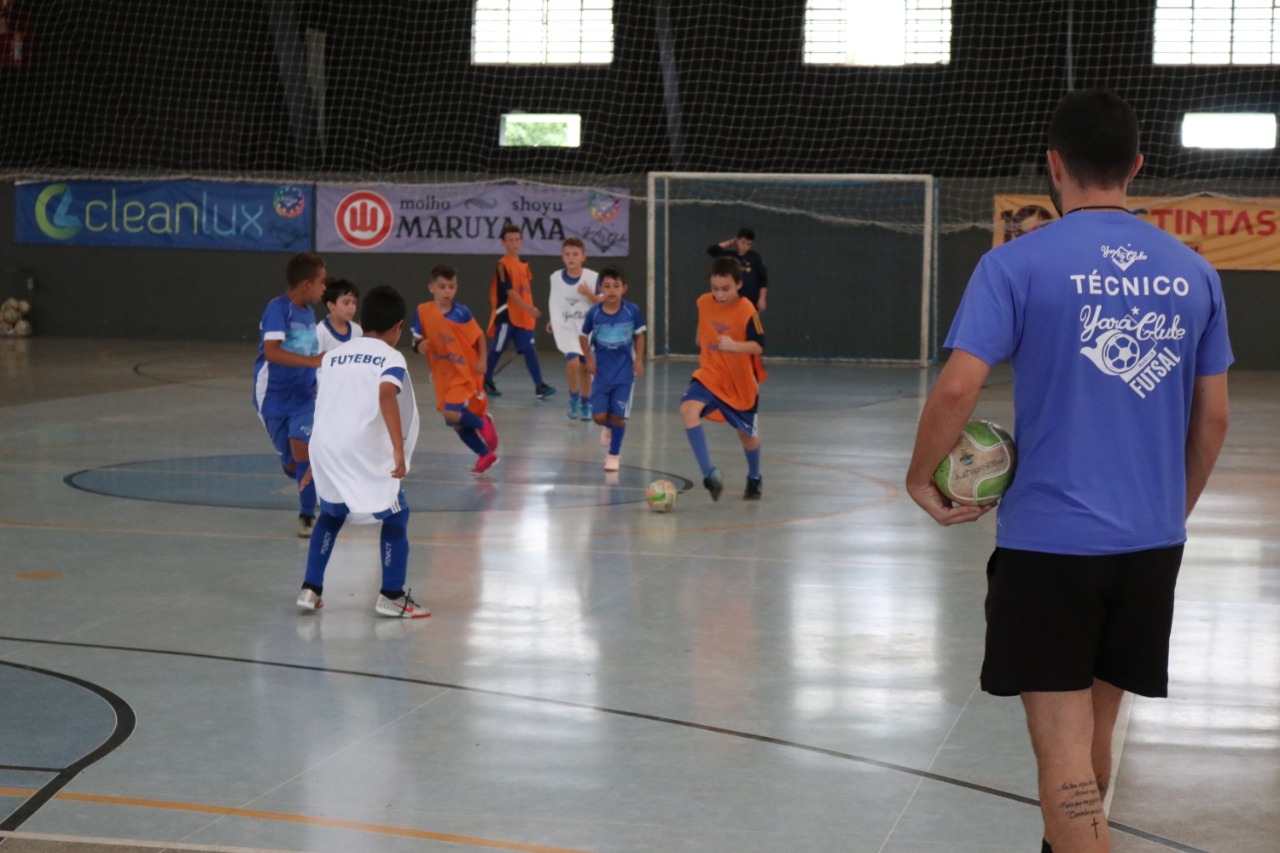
[{"x": 284, "y": 817}]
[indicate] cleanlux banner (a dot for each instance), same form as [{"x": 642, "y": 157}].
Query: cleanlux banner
[{"x": 165, "y": 214}]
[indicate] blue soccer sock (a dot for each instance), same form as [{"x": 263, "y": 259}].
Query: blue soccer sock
[
  {"x": 395, "y": 553},
  {"x": 753, "y": 461},
  {"x": 494, "y": 355},
  {"x": 535, "y": 369},
  {"x": 574, "y": 396},
  {"x": 321, "y": 549},
  {"x": 472, "y": 439},
  {"x": 698, "y": 441},
  {"x": 615, "y": 438},
  {"x": 307, "y": 496}
]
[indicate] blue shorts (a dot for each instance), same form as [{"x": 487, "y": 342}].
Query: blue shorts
[
  {"x": 612, "y": 400},
  {"x": 296, "y": 425},
  {"x": 743, "y": 422},
  {"x": 573, "y": 356},
  {"x": 504, "y": 332}
]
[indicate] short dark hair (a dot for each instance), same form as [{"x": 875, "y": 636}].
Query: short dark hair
[
  {"x": 1096, "y": 134},
  {"x": 508, "y": 227},
  {"x": 744, "y": 231},
  {"x": 612, "y": 272},
  {"x": 574, "y": 241},
  {"x": 442, "y": 271},
  {"x": 336, "y": 287},
  {"x": 381, "y": 309},
  {"x": 727, "y": 265},
  {"x": 303, "y": 266}
]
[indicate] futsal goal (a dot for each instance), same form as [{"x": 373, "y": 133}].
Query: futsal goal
[{"x": 851, "y": 260}]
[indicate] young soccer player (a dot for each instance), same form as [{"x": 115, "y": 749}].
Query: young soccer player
[
  {"x": 514, "y": 314},
  {"x": 340, "y": 298},
  {"x": 613, "y": 340},
  {"x": 366, "y": 427},
  {"x": 284, "y": 384},
  {"x": 726, "y": 385},
  {"x": 450, "y": 338},
  {"x": 573, "y": 291}
]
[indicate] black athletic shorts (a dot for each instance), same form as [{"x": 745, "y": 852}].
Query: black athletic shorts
[{"x": 1055, "y": 622}]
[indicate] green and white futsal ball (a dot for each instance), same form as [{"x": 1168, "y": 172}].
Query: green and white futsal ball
[
  {"x": 980, "y": 467},
  {"x": 661, "y": 495}
]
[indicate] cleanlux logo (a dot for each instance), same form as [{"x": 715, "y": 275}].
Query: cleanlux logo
[
  {"x": 62, "y": 225},
  {"x": 363, "y": 219}
]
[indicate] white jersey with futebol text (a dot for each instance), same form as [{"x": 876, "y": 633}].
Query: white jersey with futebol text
[
  {"x": 567, "y": 308},
  {"x": 351, "y": 456}
]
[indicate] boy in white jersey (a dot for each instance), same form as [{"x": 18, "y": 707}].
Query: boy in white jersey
[
  {"x": 340, "y": 298},
  {"x": 573, "y": 291},
  {"x": 366, "y": 425}
]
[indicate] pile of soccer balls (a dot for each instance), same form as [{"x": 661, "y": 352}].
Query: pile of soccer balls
[{"x": 13, "y": 314}]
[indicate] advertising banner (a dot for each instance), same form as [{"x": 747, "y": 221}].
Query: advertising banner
[
  {"x": 466, "y": 219},
  {"x": 1231, "y": 234},
  {"x": 166, "y": 214}
]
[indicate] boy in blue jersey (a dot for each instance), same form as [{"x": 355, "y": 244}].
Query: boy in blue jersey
[
  {"x": 284, "y": 385},
  {"x": 366, "y": 426},
  {"x": 1117, "y": 336},
  {"x": 613, "y": 342}
]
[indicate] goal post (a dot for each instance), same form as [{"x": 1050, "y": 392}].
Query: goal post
[{"x": 851, "y": 260}]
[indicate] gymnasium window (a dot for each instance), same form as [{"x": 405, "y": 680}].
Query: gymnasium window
[
  {"x": 1217, "y": 32},
  {"x": 877, "y": 32},
  {"x": 542, "y": 32}
]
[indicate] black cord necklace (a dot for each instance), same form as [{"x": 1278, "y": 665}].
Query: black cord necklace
[{"x": 1097, "y": 207}]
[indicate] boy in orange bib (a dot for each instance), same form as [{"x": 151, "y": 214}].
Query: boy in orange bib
[
  {"x": 726, "y": 385},
  {"x": 449, "y": 336}
]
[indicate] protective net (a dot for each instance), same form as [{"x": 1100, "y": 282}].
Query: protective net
[{"x": 398, "y": 91}]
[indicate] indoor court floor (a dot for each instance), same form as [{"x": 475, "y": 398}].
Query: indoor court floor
[{"x": 797, "y": 674}]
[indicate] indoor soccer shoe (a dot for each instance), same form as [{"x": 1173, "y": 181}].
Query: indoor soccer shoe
[
  {"x": 403, "y": 607},
  {"x": 584, "y": 411},
  {"x": 755, "y": 486},
  {"x": 491, "y": 389},
  {"x": 573, "y": 410},
  {"x": 484, "y": 463},
  {"x": 612, "y": 462},
  {"x": 714, "y": 484},
  {"x": 543, "y": 391},
  {"x": 306, "y": 524},
  {"x": 308, "y": 599},
  {"x": 489, "y": 432}
]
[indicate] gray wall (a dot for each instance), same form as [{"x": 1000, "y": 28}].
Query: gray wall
[{"x": 205, "y": 295}]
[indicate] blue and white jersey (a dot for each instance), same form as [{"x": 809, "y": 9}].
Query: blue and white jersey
[
  {"x": 350, "y": 448},
  {"x": 612, "y": 340},
  {"x": 279, "y": 390},
  {"x": 1107, "y": 321},
  {"x": 328, "y": 338}
]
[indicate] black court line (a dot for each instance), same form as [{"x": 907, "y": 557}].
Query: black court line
[
  {"x": 125, "y": 723},
  {"x": 635, "y": 715}
]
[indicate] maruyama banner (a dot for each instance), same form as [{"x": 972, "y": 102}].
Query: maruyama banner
[
  {"x": 466, "y": 219},
  {"x": 165, "y": 214},
  {"x": 1231, "y": 234}
]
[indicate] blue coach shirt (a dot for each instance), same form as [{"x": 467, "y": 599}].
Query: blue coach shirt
[{"x": 1106, "y": 320}]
